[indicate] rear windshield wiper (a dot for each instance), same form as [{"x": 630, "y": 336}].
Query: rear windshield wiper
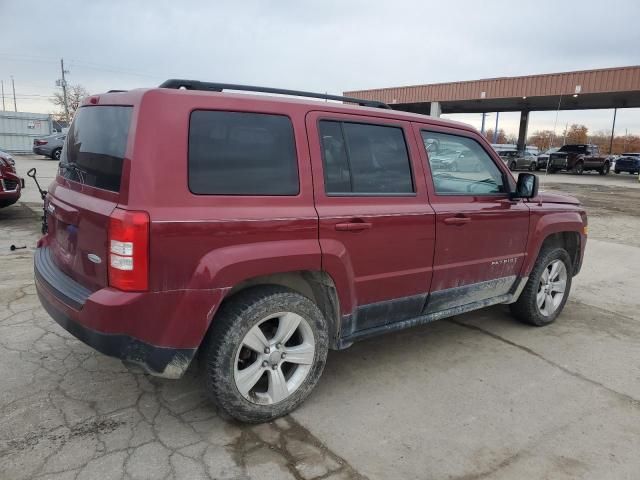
[{"x": 80, "y": 173}]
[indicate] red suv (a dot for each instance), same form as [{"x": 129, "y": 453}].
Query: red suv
[
  {"x": 259, "y": 232},
  {"x": 11, "y": 184}
]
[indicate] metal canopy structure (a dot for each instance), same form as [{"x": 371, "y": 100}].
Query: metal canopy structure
[
  {"x": 595, "y": 89},
  {"x": 580, "y": 90}
]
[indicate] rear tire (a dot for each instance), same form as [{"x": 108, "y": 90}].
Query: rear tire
[
  {"x": 246, "y": 374},
  {"x": 617, "y": 172},
  {"x": 55, "y": 155},
  {"x": 605, "y": 169},
  {"x": 533, "y": 167},
  {"x": 513, "y": 166},
  {"x": 539, "y": 303}
]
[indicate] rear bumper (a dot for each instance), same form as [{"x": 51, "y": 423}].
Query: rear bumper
[{"x": 158, "y": 331}]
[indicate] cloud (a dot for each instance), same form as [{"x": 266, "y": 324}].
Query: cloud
[{"x": 327, "y": 45}]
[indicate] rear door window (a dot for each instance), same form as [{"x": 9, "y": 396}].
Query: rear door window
[
  {"x": 238, "y": 153},
  {"x": 95, "y": 146},
  {"x": 365, "y": 159}
]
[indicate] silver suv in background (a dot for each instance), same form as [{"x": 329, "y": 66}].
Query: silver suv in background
[{"x": 50, "y": 146}]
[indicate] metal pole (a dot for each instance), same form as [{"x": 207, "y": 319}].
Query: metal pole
[
  {"x": 495, "y": 130},
  {"x": 482, "y": 127},
  {"x": 13, "y": 85},
  {"x": 3, "y": 107},
  {"x": 613, "y": 129},
  {"x": 64, "y": 91}
]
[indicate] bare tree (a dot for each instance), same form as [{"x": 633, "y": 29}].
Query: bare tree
[{"x": 75, "y": 94}]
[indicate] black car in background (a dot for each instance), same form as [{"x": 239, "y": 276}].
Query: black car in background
[{"x": 628, "y": 162}]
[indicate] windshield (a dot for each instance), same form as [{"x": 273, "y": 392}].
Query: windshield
[{"x": 96, "y": 145}]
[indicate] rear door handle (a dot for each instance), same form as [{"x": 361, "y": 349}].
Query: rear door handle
[
  {"x": 352, "y": 226},
  {"x": 457, "y": 220}
]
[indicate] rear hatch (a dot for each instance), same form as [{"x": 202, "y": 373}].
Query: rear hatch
[{"x": 87, "y": 191}]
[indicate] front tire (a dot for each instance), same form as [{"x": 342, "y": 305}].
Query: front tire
[
  {"x": 513, "y": 166},
  {"x": 578, "y": 169},
  {"x": 547, "y": 289},
  {"x": 264, "y": 353}
]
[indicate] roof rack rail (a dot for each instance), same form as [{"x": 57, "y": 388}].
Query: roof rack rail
[{"x": 219, "y": 87}]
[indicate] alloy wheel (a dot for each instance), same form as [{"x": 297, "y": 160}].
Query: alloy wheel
[
  {"x": 275, "y": 358},
  {"x": 553, "y": 283}
]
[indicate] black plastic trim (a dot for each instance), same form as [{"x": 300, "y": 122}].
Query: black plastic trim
[
  {"x": 161, "y": 361},
  {"x": 65, "y": 289},
  {"x": 177, "y": 83},
  {"x": 420, "y": 320},
  {"x": 406, "y": 312},
  {"x": 380, "y": 313},
  {"x": 475, "y": 292}
]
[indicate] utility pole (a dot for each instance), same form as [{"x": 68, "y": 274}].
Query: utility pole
[
  {"x": 63, "y": 84},
  {"x": 484, "y": 115},
  {"x": 613, "y": 129},
  {"x": 13, "y": 85},
  {"x": 495, "y": 130},
  {"x": 3, "y": 107}
]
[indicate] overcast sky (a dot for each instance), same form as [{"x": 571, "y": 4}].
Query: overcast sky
[{"x": 327, "y": 45}]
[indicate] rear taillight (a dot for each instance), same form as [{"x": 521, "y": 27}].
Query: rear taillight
[
  {"x": 40, "y": 142},
  {"x": 129, "y": 250}
]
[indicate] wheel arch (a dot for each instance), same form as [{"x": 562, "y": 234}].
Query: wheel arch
[
  {"x": 561, "y": 229},
  {"x": 569, "y": 241},
  {"x": 317, "y": 285}
]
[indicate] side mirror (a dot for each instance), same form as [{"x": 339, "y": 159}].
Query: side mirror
[{"x": 527, "y": 186}]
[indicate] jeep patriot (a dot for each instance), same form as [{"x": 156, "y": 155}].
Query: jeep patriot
[{"x": 258, "y": 232}]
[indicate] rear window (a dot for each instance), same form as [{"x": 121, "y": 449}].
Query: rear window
[
  {"x": 238, "y": 153},
  {"x": 95, "y": 146}
]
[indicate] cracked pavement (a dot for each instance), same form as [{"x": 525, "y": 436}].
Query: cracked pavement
[{"x": 478, "y": 396}]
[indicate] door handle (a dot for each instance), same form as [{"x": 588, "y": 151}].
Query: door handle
[
  {"x": 457, "y": 220},
  {"x": 353, "y": 226}
]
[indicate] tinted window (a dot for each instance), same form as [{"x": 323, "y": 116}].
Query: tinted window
[
  {"x": 460, "y": 166},
  {"x": 96, "y": 145},
  {"x": 236, "y": 153},
  {"x": 364, "y": 159},
  {"x": 573, "y": 148}
]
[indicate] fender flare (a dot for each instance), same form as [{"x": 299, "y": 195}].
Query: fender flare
[
  {"x": 225, "y": 267},
  {"x": 548, "y": 224}
]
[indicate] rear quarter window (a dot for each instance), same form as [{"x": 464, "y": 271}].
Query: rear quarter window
[{"x": 238, "y": 153}]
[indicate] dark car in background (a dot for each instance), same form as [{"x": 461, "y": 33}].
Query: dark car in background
[
  {"x": 50, "y": 146},
  {"x": 628, "y": 162},
  {"x": 543, "y": 158},
  {"x": 10, "y": 183},
  {"x": 579, "y": 158}
]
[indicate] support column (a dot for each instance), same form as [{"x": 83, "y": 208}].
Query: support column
[
  {"x": 435, "y": 111},
  {"x": 522, "y": 133}
]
